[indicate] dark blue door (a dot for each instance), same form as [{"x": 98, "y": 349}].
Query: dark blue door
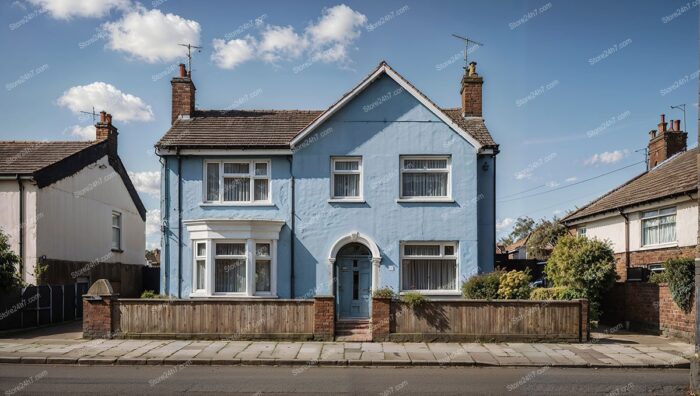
[{"x": 354, "y": 284}]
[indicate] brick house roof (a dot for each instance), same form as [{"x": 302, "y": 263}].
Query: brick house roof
[
  {"x": 676, "y": 176},
  {"x": 276, "y": 128}
]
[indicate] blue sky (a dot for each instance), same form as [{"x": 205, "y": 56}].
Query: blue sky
[{"x": 571, "y": 88}]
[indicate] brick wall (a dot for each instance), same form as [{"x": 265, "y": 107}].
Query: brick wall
[
  {"x": 182, "y": 97},
  {"x": 324, "y": 318},
  {"x": 647, "y": 307},
  {"x": 381, "y": 318},
  {"x": 97, "y": 318},
  {"x": 642, "y": 258},
  {"x": 471, "y": 96}
]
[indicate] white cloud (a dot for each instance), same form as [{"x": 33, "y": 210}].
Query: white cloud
[
  {"x": 66, "y": 9},
  {"x": 228, "y": 55},
  {"x": 326, "y": 40},
  {"x": 83, "y": 132},
  {"x": 552, "y": 184},
  {"x": 557, "y": 212},
  {"x": 571, "y": 179},
  {"x": 504, "y": 224},
  {"x": 102, "y": 96},
  {"x": 607, "y": 157},
  {"x": 146, "y": 182},
  {"x": 151, "y": 35},
  {"x": 153, "y": 229}
]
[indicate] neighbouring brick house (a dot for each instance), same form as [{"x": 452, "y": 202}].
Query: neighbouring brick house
[
  {"x": 652, "y": 217},
  {"x": 71, "y": 208}
]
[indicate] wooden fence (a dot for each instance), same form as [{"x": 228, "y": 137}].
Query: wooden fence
[
  {"x": 502, "y": 320},
  {"x": 217, "y": 319}
]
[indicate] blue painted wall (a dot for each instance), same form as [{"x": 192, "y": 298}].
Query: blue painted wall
[{"x": 380, "y": 124}]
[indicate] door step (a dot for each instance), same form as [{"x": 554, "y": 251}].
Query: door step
[{"x": 353, "y": 330}]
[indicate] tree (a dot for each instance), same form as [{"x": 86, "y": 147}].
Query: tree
[
  {"x": 585, "y": 265},
  {"x": 522, "y": 228},
  {"x": 9, "y": 262},
  {"x": 544, "y": 237}
]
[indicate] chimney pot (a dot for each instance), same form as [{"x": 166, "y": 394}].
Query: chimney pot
[
  {"x": 183, "y": 70},
  {"x": 108, "y": 119},
  {"x": 103, "y": 115},
  {"x": 663, "y": 118},
  {"x": 677, "y": 125}
]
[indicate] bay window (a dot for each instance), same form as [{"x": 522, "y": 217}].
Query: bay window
[
  {"x": 200, "y": 262},
  {"x": 659, "y": 226},
  {"x": 230, "y": 267},
  {"x": 237, "y": 181},
  {"x": 263, "y": 268},
  {"x": 346, "y": 178},
  {"x": 429, "y": 266},
  {"x": 425, "y": 177}
]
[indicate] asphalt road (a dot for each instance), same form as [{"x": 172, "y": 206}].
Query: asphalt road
[{"x": 154, "y": 380}]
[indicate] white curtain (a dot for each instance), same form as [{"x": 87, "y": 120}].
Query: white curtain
[
  {"x": 229, "y": 276},
  {"x": 200, "y": 274},
  {"x": 421, "y": 250},
  {"x": 347, "y": 165},
  {"x": 429, "y": 274},
  {"x": 667, "y": 229},
  {"x": 213, "y": 182},
  {"x": 236, "y": 189},
  {"x": 659, "y": 230},
  {"x": 424, "y": 184},
  {"x": 237, "y": 168},
  {"x": 261, "y": 189},
  {"x": 425, "y": 164},
  {"x": 347, "y": 185}
]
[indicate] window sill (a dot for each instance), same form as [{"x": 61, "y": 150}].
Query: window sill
[
  {"x": 117, "y": 250},
  {"x": 425, "y": 200},
  {"x": 659, "y": 246},
  {"x": 433, "y": 292},
  {"x": 216, "y": 204},
  {"x": 338, "y": 200}
]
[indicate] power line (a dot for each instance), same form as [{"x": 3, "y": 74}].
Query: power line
[
  {"x": 573, "y": 184},
  {"x": 524, "y": 191}
]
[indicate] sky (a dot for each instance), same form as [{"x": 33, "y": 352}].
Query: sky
[{"x": 571, "y": 88}]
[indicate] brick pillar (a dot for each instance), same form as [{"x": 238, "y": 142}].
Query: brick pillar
[
  {"x": 99, "y": 315},
  {"x": 324, "y": 318},
  {"x": 585, "y": 322},
  {"x": 381, "y": 318}
]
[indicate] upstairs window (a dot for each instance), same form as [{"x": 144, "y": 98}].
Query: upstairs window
[
  {"x": 659, "y": 226},
  {"x": 346, "y": 178},
  {"x": 581, "y": 231},
  {"x": 238, "y": 182},
  {"x": 116, "y": 231},
  {"x": 425, "y": 177}
]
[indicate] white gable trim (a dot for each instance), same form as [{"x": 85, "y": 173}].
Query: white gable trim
[{"x": 406, "y": 86}]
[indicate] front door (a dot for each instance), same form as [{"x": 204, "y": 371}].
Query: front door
[{"x": 354, "y": 285}]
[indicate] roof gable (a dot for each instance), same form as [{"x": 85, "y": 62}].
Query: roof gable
[{"x": 385, "y": 69}]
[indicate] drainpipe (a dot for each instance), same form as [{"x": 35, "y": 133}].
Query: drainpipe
[
  {"x": 291, "y": 247},
  {"x": 627, "y": 241},
  {"x": 179, "y": 223},
  {"x": 165, "y": 225},
  {"x": 21, "y": 226}
]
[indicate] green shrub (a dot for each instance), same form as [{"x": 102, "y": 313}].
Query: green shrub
[
  {"x": 658, "y": 277},
  {"x": 555, "y": 293},
  {"x": 413, "y": 299},
  {"x": 585, "y": 265},
  {"x": 681, "y": 282},
  {"x": 482, "y": 287},
  {"x": 152, "y": 294},
  {"x": 514, "y": 285},
  {"x": 384, "y": 292},
  {"x": 9, "y": 265}
]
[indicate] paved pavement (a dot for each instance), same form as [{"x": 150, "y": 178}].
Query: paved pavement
[{"x": 383, "y": 381}]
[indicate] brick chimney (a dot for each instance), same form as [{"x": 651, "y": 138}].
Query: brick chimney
[
  {"x": 183, "y": 94},
  {"x": 665, "y": 143},
  {"x": 104, "y": 130},
  {"x": 471, "y": 92}
]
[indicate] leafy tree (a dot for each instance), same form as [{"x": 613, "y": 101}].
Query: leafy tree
[
  {"x": 9, "y": 262},
  {"x": 522, "y": 228},
  {"x": 544, "y": 237},
  {"x": 585, "y": 265},
  {"x": 680, "y": 273}
]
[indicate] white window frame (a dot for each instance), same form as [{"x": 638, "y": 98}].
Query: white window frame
[
  {"x": 196, "y": 258},
  {"x": 643, "y": 218},
  {"x": 359, "y": 171},
  {"x": 118, "y": 248},
  {"x": 448, "y": 170},
  {"x": 441, "y": 256},
  {"x": 581, "y": 231},
  {"x": 250, "y": 259},
  {"x": 250, "y": 175}
]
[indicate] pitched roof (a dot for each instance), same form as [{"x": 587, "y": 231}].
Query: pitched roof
[
  {"x": 237, "y": 128},
  {"x": 518, "y": 244},
  {"x": 17, "y": 157},
  {"x": 275, "y": 129},
  {"x": 675, "y": 176},
  {"x": 48, "y": 162}
]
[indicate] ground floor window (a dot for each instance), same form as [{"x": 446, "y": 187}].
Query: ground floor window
[
  {"x": 429, "y": 266},
  {"x": 234, "y": 267}
]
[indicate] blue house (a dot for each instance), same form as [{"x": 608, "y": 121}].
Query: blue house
[{"x": 382, "y": 189}]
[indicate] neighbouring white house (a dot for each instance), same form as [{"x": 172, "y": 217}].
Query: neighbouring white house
[
  {"x": 652, "y": 217},
  {"x": 71, "y": 212}
]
